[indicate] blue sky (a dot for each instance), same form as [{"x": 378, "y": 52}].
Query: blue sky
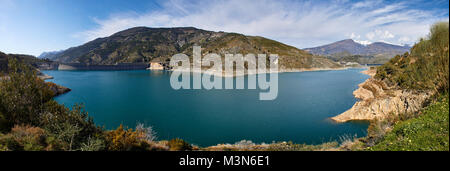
[{"x": 35, "y": 26}]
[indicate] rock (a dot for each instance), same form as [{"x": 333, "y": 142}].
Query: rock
[
  {"x": 45, "y": 77},
  {"x": 58, "y": 89},
  {"x": 363, "y": 94},
  {"x": 378, "y": 101},
  {"x": 371, "y": 72},
  {"x": 42, "y": 75}
]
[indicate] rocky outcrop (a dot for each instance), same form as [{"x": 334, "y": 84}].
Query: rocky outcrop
[
  {"x": 378, "y": 101},
  {"x": 370, "y": 72},
  {"x": 57, "y": 89},
  {"x": 42, "y": 75}
]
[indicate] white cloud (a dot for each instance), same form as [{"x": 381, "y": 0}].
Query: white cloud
[
  {"x": 301, "y": 24},
  {"x": 379, "y": 34},
  {"x": 366, "y": 4}
]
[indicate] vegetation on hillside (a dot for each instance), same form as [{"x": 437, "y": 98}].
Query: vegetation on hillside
[
  {"x": 361, "y": 59},
  {"x": 426, "y": 67},
  {"x": 26, "y": 59},
  {"x": 31, "y": 120},
  {"x": 27, "y": 112},
  {"x": 143, "y": 44},
  {"x": 427, "y": 132}
]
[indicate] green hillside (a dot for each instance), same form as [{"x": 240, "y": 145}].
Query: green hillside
[
  {"x": 142, "y": 44},
  {"x": 27, "y": 59},
  {"x": 428, "y": 132},
  {"x": 426, "y": 68}
]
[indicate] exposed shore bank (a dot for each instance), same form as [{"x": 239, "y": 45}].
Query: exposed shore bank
[
  {"x": 378, "y": 101},
  {"x": 235, "y": 74}
]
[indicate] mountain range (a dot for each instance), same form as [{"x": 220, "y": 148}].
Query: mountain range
[
  {"x": 143, "y": 44},
  {"x": 350, "y": 51},
  {"x": 50, "y": 55}
]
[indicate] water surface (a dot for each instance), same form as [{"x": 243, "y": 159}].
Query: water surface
[{"x": 207, "y": 117}]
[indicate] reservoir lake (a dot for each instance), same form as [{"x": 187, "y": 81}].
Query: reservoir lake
[{"x": 300, "y": 113}]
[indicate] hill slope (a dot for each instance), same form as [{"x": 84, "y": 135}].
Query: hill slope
[
  {"x": 407, "y": 99},
  {"x": 27, "y": 59},
  {"x": 427, "y": 132},
  {"x": 142, "y": 44}
]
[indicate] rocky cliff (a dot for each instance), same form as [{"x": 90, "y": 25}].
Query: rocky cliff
[{"x": 377, "y": 101}]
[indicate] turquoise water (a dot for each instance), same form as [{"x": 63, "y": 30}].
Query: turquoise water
[{"x": 207, "y": 117}]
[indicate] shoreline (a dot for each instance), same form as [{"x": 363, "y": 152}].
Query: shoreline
[
  {"x": 377, "y": 100},
  {"x": 340, "y": 117},
  {"x": 224, "y": 75}
]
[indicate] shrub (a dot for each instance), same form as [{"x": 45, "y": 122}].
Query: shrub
[
  {"x": 179, "y": 145},
  {"x": 8, "y": 143},
  {"x": 25, "y": 138},
  {"x": 126, "y": 140},
  {"x": 148, "y": 133},
  {"x": 71, "y": 127},
  {"x": 93, "y": 144}
]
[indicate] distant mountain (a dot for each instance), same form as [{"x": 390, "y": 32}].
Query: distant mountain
[
  {"x": 142, "y": 44},
  {"x": 355, "y": 48},
  {"x": 385, "y": 48},
  {"x": 377, "y": 52},
  {"x": 50, "y": 55}
]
